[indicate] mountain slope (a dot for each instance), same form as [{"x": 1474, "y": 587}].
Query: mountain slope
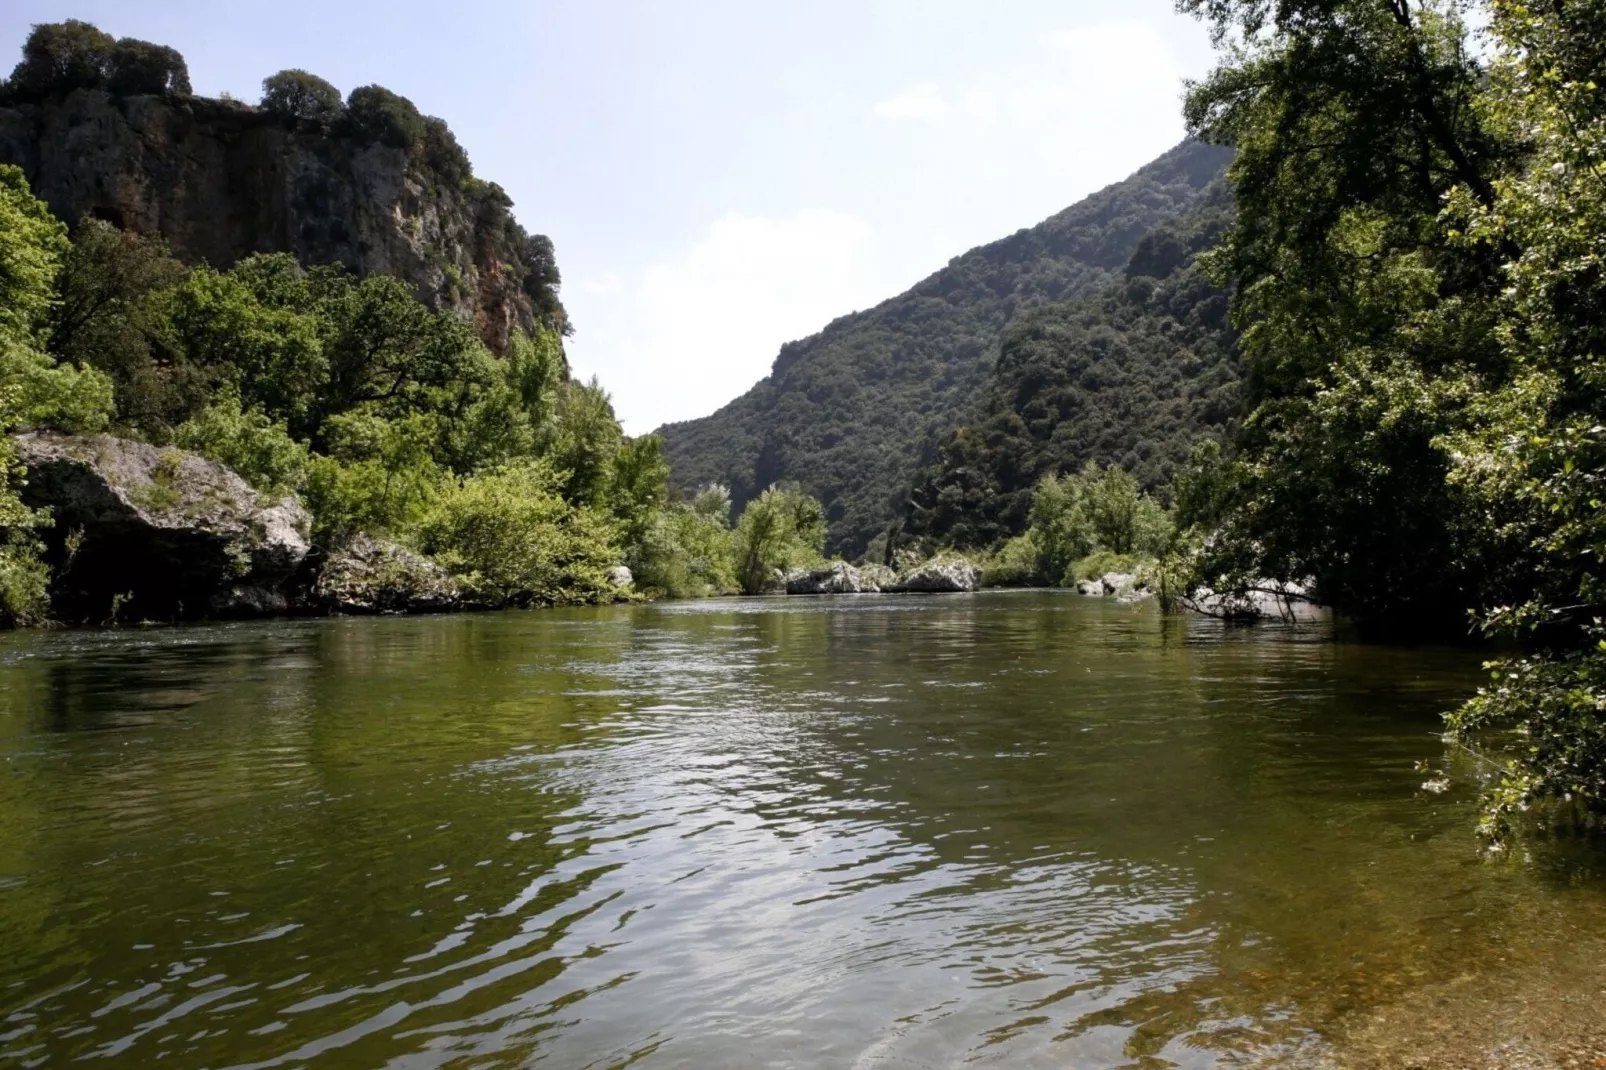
[
  {"x": 1133, "y": 377},
  {"x": 848, "y": 412}
]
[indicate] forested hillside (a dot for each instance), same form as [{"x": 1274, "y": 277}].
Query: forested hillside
[
  {"x": 1131, "y": 378},
  {"x": 849, "y": 411}
]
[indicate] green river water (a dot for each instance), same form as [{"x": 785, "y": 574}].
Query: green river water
[{"x": 1014, "y": 829}]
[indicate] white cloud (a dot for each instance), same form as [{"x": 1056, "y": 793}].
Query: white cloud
[
  {"x": 923, "y": 102},
  {"x": 696, "y": 330},
  {"x": 1078, "y": 92}
]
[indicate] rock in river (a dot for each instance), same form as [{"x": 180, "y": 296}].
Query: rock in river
[
  {"x": 940, "y": 576},
  {"x": 146, "y": 533},
  {"x": 838, "y": 577},
  {"x": 370, "y": 575}
]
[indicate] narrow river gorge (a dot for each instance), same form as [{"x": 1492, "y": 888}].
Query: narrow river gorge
[{"x": 1012, "y": 829}]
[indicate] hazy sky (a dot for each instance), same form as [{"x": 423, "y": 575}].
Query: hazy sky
[{"x": 721, "y": 177}]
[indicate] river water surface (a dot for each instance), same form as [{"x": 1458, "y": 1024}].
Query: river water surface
[{"x": 1023, "y": 830}]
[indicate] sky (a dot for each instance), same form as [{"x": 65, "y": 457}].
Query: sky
[{"x": 723, "y": 176}]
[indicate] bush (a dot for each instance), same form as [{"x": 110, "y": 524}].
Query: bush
[
  {"x": 261, "y": 451},
  {"x": 142, "y": 67},
  {"x": 298, "y": 94},
  {"x": 686, "y": 551},
  {"x": 378, "y": 476},
  {"x": 24, "y": 580},
  {"x": 511, "y": 539},
  {"x": 1016, "y": 564},
  {"x": 41, "y": 393},
  {"x": 377, "y": 114},
  {"x": 1097, "y": 564}
]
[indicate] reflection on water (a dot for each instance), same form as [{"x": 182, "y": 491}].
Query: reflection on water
[{"x": 1018, "y": 830}]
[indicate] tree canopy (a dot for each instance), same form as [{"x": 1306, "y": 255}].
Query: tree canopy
[{"x": 1416, "y": 270}]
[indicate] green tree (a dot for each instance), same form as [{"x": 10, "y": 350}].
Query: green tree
[
  {"x": 378, "y": 115},
  {"x": 584, "y": 440},
  {"x": 142, "y": 67},
  {"x": 782, "y": 528},
  {"x": 1533, "y": 460},
  {"x": 299, "y": 94},
  {"x": 1366, "y": 330},
  {"x": 62, "y": 56},
  {"x": 1061, "y": 532},
  {"x": 35, "y": 392},
  {"x": 1419, "y": 264},
  {"x": 32, "y": 242},
  {"x": 250, "y": 330},
  {"x": 110, "y": 317}
]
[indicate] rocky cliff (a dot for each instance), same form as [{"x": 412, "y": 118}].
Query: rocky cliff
[{"x": 221, "y": 180}]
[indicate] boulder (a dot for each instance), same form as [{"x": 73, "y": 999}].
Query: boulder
[
  {"x": 369, "y": 575},
  {"x": 1260, "y": 600},
  {"x": 939, "y": 576},
  {"x": 1117, "y": 583},
  {"x": 146, "y": 533},
  {"x": 621, "y": 576},
  {"x": 838, "y": 577}
]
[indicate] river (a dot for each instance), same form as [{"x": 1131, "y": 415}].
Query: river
[{"x": 1013, "y": 829}]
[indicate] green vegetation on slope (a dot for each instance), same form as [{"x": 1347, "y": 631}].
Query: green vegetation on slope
[
  {"x": 847, "y": 412},
  {"x": 385, "y": 417},
  {"x": 1133, "y": 378}
]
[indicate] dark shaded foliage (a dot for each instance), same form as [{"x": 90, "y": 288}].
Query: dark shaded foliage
[
  {"x": 62, "y": 56},
  {"x": 142, "y": 67},
  {"x": 59, "y": 57},
  {"x": 542, "y": 282},
  {"x": 107, "y": 318},
  {"x": 443, "y": 155},
  {"x": 378, "y": 115},
  {"x": 298, "y": 94},
  {"x": 848, "y": 412}
]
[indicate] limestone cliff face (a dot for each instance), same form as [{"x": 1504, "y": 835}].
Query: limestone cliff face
[{"x": 221, "y": 180}]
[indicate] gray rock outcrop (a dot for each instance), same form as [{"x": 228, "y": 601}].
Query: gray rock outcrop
[
  {"x": 220, "y": 180},
  {"x": 370, "y": 575},
  {"x": 940, "y": 576},
  {"x": 621, "y": 576},
  {"x": 838, "y": 577},
  {"x": 145, "y": 533},
  {"x": 1261, "y": 600}
]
